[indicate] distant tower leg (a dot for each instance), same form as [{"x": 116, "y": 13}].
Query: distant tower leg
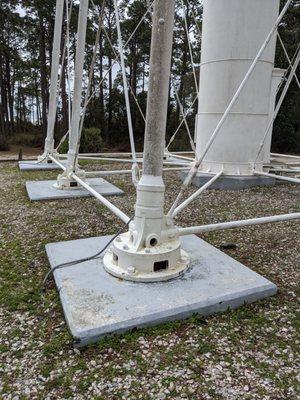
[
  {"x": 65, "y": 181},
  {"x": 54, "y": 79}
]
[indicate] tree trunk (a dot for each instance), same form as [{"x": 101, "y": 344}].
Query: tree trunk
[
  {"x": 37, "y": 101},
  {"x": 43, "y": 70},
  {"x": 3, "y": 140},
  {"x": 4, "y": 96},
  {"x": 9, "y": 92},
  {"x": 101, "y": 95},
  {"x": 64, "y": 100},
  {"x": 184, "y": 69},
  {"x": 133, "y": 84},
  {"x": 109, "y": 105}
]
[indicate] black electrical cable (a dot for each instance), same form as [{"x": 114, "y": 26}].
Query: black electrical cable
[{"x": 75, "y": 262}]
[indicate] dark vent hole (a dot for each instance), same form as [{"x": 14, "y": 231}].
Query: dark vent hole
[
  {"x": 115, "y": 258},
  {"x": 160, "y": 265},
  {"x": 153, "y": 242},
  {"x": 73, "y": 184}
]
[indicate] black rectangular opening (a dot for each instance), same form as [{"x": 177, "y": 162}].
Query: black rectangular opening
[
  {"x": 160, "y": 265},
  {"x": 73, "y": 184},
  {"x": 49, "y": 161}
]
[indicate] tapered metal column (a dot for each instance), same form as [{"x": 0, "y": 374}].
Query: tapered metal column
[
  {"x": 157, "y": 103},
  {"x": 54, "y": 79},
  {"x": 65, "y": 179},
  {"x": 146, "y": 252},
  {"x": 150, "y": 190}
]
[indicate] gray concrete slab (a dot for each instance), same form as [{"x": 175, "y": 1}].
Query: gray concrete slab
[
  {"x": 231, "y": 182},
  {"x": 96, "y": 304},
  {"x": 33, "y": 166},
  {"x": 45, "y": 190},
  {"x": 178, "y": 161}
]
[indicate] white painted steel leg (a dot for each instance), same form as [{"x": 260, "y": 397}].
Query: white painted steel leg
[
  {"x": 54, "y": 79},
  {"x": 146, "y": 252},
  {"x": 68, "y": 15},
  {"x": 65, "y": 180}
]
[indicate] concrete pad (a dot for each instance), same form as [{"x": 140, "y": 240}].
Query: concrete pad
[
  {"x": 97, "y": 304},
  {"x": 33, "y": 166},
  {"x": 45, "y": 190},
  {"x": 177, "y": 161},
  {"x": 231, "y": 182}
]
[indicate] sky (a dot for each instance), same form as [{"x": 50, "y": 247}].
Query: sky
[{"x": 21, "y": 11}]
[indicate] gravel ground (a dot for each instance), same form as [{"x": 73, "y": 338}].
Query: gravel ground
[{"x": 250, "y": 353}]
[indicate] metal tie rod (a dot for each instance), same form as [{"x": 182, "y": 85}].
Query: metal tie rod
[
  {"x": 102, "y": 199},
  {"x": 185, "y": 203},
  {"x": 285, "y": 155},
  {"x": 285, "y": 170},
  {"x": 279, "y": 177},
  {"x": 57, "y": 162},
  {"x": 235, "y": 224},
  {"x": 93, "y": 192},
  {"x": 128, "y": 171}
]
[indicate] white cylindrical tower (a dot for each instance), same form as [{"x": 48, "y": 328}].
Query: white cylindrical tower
[{"x": 233, "y": 32}]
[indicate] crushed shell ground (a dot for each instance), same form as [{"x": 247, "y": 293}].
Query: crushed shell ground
[{"x": 250, "y": 353}]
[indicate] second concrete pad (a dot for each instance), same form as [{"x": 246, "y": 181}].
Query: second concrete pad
[
  {"x": 231, "y": 182},
  {"x": 33, "y": 165},
  {"x": 44, "y": 190}
]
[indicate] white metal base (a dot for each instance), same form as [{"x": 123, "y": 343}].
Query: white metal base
[
  {"x": 44, "y": 158},
  {"x": 230, "y": 182},
  {"x": 66, "y": 182},
  {"x": 151, "y": 264}
]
